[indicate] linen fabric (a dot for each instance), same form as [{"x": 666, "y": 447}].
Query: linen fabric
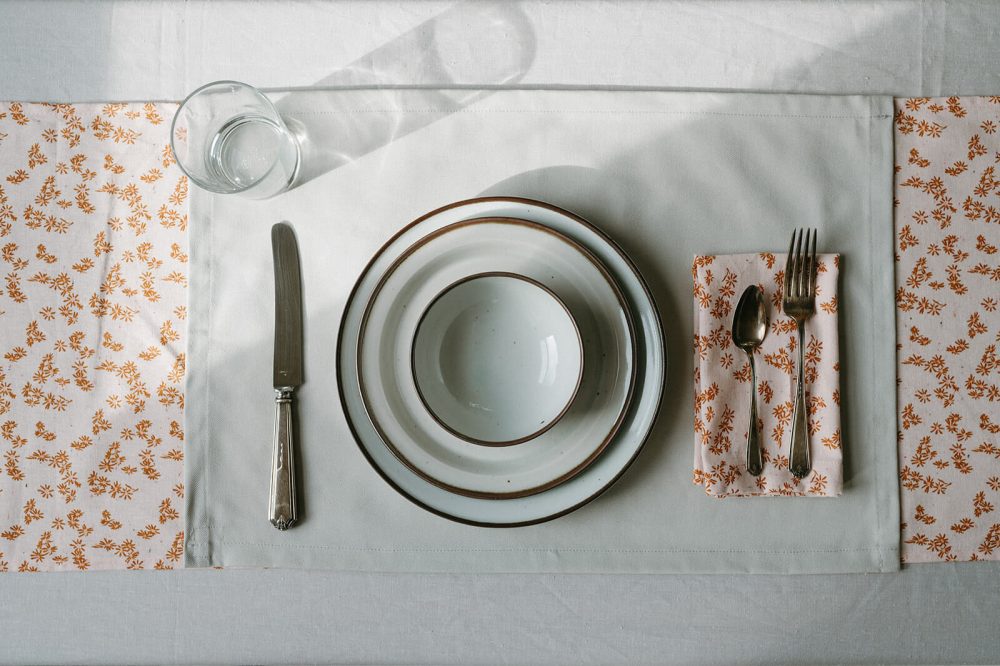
[
  {"x": 722, "y": 380},
  {"x": 163, "y": 50},
  {"x": 948, "y": 326},
  {"x": 667, "y": 175}
]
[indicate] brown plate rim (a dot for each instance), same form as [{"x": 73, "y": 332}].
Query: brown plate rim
[{"x": 633, "y": 342}]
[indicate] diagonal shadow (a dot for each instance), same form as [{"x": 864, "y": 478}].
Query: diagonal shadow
[{"x": 442, "y": 52}]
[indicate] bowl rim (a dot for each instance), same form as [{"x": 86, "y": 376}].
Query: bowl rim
[{"x": 580, "y": 366}]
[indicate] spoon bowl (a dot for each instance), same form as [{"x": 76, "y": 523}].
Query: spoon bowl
[{"x": 750, "y": 319}]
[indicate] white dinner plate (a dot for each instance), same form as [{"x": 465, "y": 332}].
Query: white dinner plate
[
  {"x": 385, "y": 363},
  {"x": 562, "y": 498}
]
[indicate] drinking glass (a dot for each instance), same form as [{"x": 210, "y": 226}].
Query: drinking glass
[{"x": 228, "y": 138}]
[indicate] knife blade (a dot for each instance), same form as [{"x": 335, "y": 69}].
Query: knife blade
[{"x": 288, "y": 373}]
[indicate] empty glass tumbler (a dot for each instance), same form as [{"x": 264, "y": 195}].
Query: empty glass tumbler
[{"x": 228, "y": 138}]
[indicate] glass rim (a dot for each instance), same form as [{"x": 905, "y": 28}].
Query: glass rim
[{"x": 173, "y": 124}]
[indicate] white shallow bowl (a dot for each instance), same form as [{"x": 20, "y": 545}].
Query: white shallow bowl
[
  {"x": 388, "y": 389},
  {"x": 497, "y": 358},
  {"x": 560, "y": 499}
]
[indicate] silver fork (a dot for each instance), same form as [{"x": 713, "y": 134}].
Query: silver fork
[{"x": 799, "y": 303}]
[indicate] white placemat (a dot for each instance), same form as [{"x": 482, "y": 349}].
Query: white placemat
[{"x": 669, "y": 175}]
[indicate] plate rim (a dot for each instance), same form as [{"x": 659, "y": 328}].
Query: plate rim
[
  {"x": 660, "y": 388},
  {"x": 612, "y": 282}
]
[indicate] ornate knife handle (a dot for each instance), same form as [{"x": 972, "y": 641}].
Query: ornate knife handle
[{"x": 281, "y": 508}]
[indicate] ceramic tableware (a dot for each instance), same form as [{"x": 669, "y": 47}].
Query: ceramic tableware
[
  {"x": 497, "y": 358},
  {"x": 564, "y": 497},
  {"x": 408, "y": 287}
]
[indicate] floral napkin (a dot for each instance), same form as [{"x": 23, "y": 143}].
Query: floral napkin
[{"x": 722, "y": 380}]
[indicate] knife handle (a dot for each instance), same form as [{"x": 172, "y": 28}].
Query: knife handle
[{"x": 281, "y": 508}]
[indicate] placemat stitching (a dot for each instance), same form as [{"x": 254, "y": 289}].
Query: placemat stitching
[
  {"x": 874, "y": 338},
  {"x": 547, "y": 550},
  {"x": 651, "y": 112}
]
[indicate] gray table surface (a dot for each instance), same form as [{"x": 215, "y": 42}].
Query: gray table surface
[{"x": 939, "y": 613}]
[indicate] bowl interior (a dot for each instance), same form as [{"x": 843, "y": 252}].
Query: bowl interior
[{"x": 497, "y": 358}]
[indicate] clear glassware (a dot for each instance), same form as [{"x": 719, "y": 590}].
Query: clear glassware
[{"x": 228, "y": 138}]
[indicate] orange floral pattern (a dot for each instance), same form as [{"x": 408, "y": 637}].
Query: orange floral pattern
[
  {"x": 722, "y": 380},
  {"x": 947, "y": 223},
  {"x": 93, "y": 242}
]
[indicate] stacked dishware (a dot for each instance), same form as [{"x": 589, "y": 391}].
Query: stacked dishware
[{"x": 500, "y": 361}]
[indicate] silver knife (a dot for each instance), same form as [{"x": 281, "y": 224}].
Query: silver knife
[{"x": 287, "y": 372}]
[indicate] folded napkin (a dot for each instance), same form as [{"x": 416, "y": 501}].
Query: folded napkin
[{"x": 722, "y": 380}]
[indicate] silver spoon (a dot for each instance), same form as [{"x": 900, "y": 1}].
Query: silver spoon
[{"x": 749, "y": 330}]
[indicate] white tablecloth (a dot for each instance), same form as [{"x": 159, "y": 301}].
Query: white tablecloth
[{"x": 931, "y": 613}]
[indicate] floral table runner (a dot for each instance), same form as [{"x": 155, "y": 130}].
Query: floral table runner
[
  {"x": 947, "y": 186},
  {"x": 93, "y": 242},
  {"x": 93, "y": 238}
]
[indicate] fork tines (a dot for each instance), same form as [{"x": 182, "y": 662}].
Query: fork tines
[{"x": 800, "y": 267}]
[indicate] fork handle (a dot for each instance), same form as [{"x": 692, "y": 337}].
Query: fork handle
[{"x": 799, "y": 461}]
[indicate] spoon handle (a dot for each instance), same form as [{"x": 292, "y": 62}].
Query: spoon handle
[{"x": 755, "y": 458}]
